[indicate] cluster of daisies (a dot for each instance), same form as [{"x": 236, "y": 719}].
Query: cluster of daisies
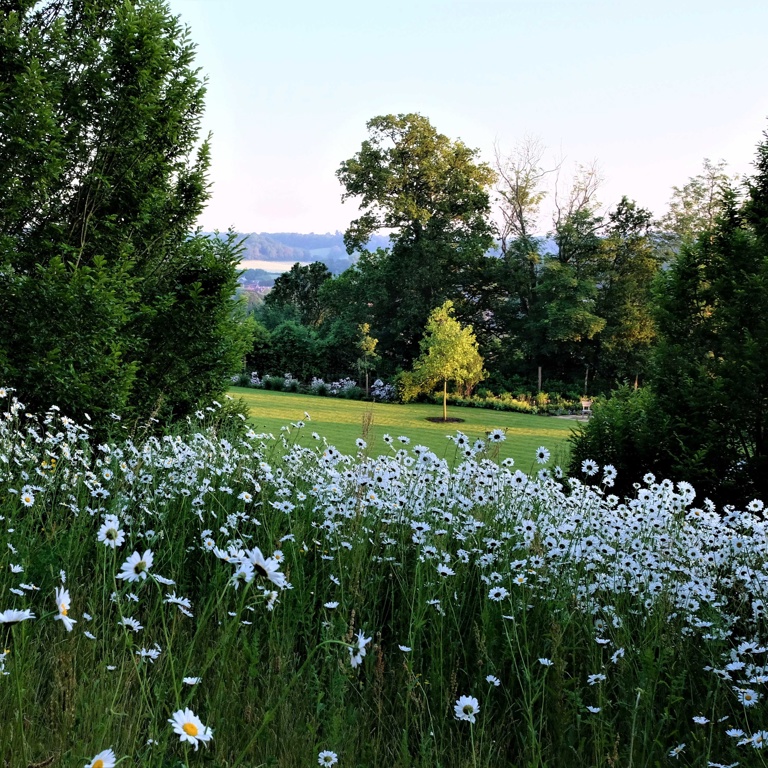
[{"x": 526, "y": 535}]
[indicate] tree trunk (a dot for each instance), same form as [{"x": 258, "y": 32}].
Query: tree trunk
[{"x": 445, "y": 399}]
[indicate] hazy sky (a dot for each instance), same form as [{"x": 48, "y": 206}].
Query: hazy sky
[{"x": 648, "y": 89}]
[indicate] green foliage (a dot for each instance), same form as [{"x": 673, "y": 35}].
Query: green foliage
[
  {"x": 703, "y": 418},
  {"x": 259, "y": 358},
  {"x": 295, "y": 350},
  {"x": 367, "y": 346},
  {"x": 628, "y": 431},
  {"x": 448, "y": 353},
  {"x": 631, "y": 263},
  {"x": 106, "y": 302},
  {"x": 433, "y": 195},
  {"x": 299, "y": 288},
  {"x": 710, "y": 374},
  {"x": 696, "y": 206}
]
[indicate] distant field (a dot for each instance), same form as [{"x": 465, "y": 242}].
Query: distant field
[
  {"x": 269, "y": 266},
  {"x": 341, "y": 423}
]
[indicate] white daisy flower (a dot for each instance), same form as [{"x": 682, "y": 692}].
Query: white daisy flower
[
  {"x": 466, "y": 708},
  {"x": 105, "y": 759},
  {"x": 497, "y": 593},
  {"x": 677, "y": 751},
  {"x": 62, "y": 603},
  {"x": 111, "y": 535},
  {"x": 267, "y": 567},
  {"x": 747, "y": 696},
  {"x": 136, "y": 566},
  {"x": 189, "y": 727},
  {"x": 11, "y": 616}
]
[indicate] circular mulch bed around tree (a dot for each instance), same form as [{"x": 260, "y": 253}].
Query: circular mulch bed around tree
[{"x": 440, "y": 420}]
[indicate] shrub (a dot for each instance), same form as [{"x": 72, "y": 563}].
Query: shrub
[
  {"x": 383, "y": 392},
  {"x": 273, "y": 382},
  {"x": 626, "y": 431},
  {"x": 318, "y": 387}
]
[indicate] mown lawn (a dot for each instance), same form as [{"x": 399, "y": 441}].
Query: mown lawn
[{"x": 341, "y": 422}]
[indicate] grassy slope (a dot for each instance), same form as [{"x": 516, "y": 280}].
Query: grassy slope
[{"x": 341, "y": 422}]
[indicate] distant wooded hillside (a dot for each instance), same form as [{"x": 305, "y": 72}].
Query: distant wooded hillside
[{"x": 295, "y": 246}]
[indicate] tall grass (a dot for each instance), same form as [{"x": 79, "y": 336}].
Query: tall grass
[{"x": 389, "y": 586}]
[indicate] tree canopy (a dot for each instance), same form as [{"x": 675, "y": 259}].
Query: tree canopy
[
  {"x": 448, "y": 353},
  {"x": 108, "y": 299},
  {"x": 432, "y": 193}
]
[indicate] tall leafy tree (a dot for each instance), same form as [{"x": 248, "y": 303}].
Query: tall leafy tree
[
  {"x": 543, "y": 293},
  {"x": 695, "y": 207},
  {"x": 366, "y": 344},
  {"x": 300, "y": 288},
  {"x": 702, "y": 418},
  {"x": 715, "y": 343},
  {"x": 432, "y": 194},
  {"x": 631, "y": 262},
  {"x": 108, "y": 299}
]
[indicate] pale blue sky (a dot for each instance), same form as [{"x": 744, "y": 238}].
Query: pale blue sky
[{"x": 648, "y": 89}]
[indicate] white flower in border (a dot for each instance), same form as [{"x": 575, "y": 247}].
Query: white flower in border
[
  {"x": 111, "y": 535},
  {"x": 677, "y": 751},
  {"x": 105, "y": 759},
  {"x": 189, "y": 727},
  {"x": 62, "y": 603},
  {"x": 11, "y": 616},
  {"x": 267, "y": 567},
  {"x": 466, "y": 708},
  {"x": 747, "y": 697},
  {"x": 497, "y": 594},
  {"x": 136, "y": 566}
]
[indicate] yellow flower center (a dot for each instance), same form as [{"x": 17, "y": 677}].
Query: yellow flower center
[
  {"x": 190, "y": 729},
  {"x": 63, "y": 610},
  {"x": 98, "y": 764}
]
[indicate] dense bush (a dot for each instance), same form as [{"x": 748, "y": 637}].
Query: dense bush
[
  {"x": 109, "y": 301},
  {"x": 626, "y": 431}
]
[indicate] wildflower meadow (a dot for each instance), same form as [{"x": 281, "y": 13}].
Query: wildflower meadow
[{"x": 214, "y": 596}]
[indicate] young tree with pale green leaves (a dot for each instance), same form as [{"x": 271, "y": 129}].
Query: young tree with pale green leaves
[
  {"x": 448, "y": 353},
  {"x": 367, "y": 346}
]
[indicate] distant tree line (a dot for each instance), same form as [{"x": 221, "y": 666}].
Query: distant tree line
[{"x": 601, "y": 300}]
